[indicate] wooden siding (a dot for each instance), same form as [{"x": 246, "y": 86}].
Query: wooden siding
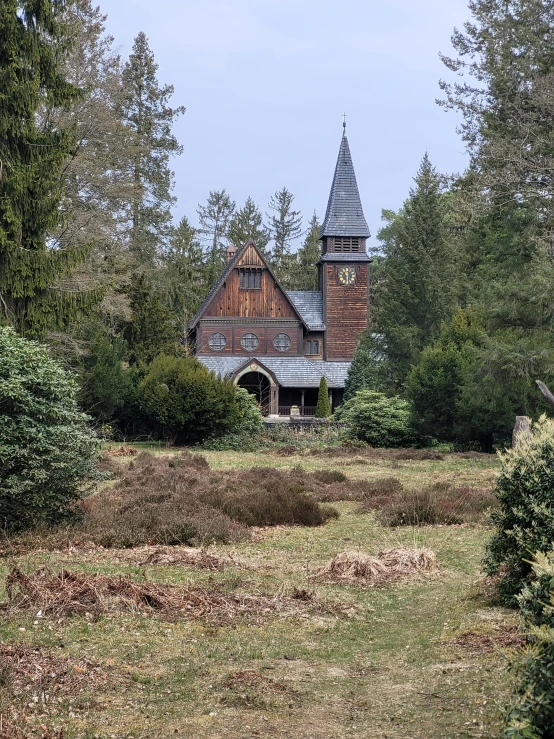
[
  {"x": 234, "y": 333},
  {"x": 346, "y": 311},
  {"x": 233, "y": 302}
]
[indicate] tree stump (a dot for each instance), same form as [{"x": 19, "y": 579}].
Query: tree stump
[{"x": 522, "y": 430}]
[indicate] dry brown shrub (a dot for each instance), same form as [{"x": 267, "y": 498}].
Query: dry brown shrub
[
  {"x": 179, "y": 500},
  {"x": 439, "y": 504},
  {"x": 121, "y": 451},
  {"x": 388, "y": 566},
  {"x": 68, "y": 593}
]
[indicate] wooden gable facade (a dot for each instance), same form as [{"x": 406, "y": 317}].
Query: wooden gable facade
[{"x": 249, "y": 313}]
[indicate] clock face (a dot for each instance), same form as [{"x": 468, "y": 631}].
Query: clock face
[{"x": 347, "y": 276}]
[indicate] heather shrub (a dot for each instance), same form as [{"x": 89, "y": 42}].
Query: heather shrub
[
  {"x": 377, "y": 420},
  {"x": 179, "y": 500},
  {"x": 531, "y": 713},
  {"x": 525, "y": 519},
  {"x": 47, "y": 449}
]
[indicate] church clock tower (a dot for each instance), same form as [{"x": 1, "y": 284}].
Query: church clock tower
[{"x": 343, "y": 267}]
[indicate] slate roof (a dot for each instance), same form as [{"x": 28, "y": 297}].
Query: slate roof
[
  {"x": 310, "y": 306},
  {"x": 344, "y": 216},
  {"x": 289, "y": 371},
  {"x": 334, "y": 256}
]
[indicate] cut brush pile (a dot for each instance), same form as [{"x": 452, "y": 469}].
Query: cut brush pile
[
  {"x": 388, "y": 566},
  {"x": 68, "y": 593}
]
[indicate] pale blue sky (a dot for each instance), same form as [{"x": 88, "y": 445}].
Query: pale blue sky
[{"x": 265, "y": 84}]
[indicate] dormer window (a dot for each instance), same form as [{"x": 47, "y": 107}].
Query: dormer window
[{"x": 250, "y": 278}]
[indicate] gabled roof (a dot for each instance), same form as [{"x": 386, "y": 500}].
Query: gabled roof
[
  {"x": 231, "y": 264},
  {"x": 309, "y": 304},
  {"x": 344, "y": 216},
  {"x": 289, "y": 371}
]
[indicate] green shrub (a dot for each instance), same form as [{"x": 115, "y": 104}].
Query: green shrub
[
  {"x": 531, "y": 713},
  {"x": 525, "y": 521},
  {"x": 323, "y": 408},
  {"x": 184, "y": 401},
  {"x": 248, "y": 423},
  {"x": 104, "y": 383},
  {"x": 378, "y": 420},
  {"x": 47, "y": 449}
]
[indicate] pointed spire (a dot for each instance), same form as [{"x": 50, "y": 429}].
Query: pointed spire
[{"x": 344, "y": 216}]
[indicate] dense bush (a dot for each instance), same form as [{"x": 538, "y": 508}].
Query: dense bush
[
  {"x": 47, "y": 449},
  {"x": 184, "y": 401},
  {"x": 104, "y": 382},
  {"x": 378, "y": 420},
  {"x": 525, "y": 521},
  {"x": 244, "y": 432},
  {"x": 323, "y": 408},
  {"x": 531, "y": 714}
]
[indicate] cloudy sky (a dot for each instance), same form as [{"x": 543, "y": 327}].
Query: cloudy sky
[{"x": 265, "y": 84}]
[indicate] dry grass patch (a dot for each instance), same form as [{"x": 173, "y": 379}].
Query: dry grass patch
[
  {"x": 69, "y": 593},
  {"x": 16, "y": 727},
  {"x": 251, "y": 689},
  {"x": 388, "y": 566},
  {"x": 472, "y": 642},
  {"x": 199, "y": 559}
]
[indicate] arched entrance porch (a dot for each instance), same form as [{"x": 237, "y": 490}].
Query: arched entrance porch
[{"x": 262, "y": 384}]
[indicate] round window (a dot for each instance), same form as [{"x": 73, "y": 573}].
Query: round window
[
  {"x": 249, "y": 342},
  {"x": 282, "y": 342},
  {"x": 217, "y": 342}
]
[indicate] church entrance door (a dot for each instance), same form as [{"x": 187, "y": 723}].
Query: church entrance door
[{"x": 259, "y": 385}]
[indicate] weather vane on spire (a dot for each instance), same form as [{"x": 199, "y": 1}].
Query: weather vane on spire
[{"x": 344, "y": 123}]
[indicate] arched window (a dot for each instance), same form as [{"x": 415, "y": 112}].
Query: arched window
[
  {"x": 217, "y": 342},
  {"x": 282, "y": 342},
  {"x": 249, "y": 342}
]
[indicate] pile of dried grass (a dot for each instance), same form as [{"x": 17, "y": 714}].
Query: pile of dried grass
[
  {"x": 388, "y": 566},
  {"x": 476, "y": 643},
  {"x": 251, "y": 689},
  {"x": 67, "y": 593}
]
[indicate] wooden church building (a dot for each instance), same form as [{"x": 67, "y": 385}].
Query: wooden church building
[{"x": 278, "y": 344}]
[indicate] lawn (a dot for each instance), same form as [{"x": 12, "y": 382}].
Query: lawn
[{"x": 418, "y": 659}]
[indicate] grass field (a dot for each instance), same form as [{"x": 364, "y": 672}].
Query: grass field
[{"x": 420, "y": 659}]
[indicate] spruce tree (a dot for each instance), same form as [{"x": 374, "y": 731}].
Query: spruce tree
[
  {"x": 246, "y": 225},
  {"x": 184, "y": 283},
  {"x": 33, "y": 155},
  {"x": 149, "y": 118},
  {"x": 323, "y": 408},
  {"x": 215, "y": 218},
  {"x": 303, "y": 272},
  {"x": 419, "y": 278},
  {"x": 284, "y": 225},
  {"x": 151, "y": 330},
  {"x": 364, "y": 372}
]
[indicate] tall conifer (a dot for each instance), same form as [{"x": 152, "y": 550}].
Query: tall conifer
[
  {"x": 147, "y": 113},
  {"x": 246, "y": 225},
  {"x": 33, "y": 43}
]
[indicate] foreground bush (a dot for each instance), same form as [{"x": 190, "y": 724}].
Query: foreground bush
[
  {"x": 184, "y": 401},
  {"x": 378, "y": 420},
  {"x": 47, "y": 449},
  {"x": 525, "y": 521},
  {"x": 179, "y": 500},
  {"x": 531, "y": 714},
  {"x": 246, "y": 427}
]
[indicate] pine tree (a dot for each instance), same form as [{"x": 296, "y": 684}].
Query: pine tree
[
  {"x": 365, "y": 370},
  {"x": 215, "y": 218},
  {"x": 33, "y": 155},
  {"x": 420, "y": 287},
  {"x": 149, "y": 118},
  {"x": 247, "y": 224},
  {"x": 303, "y": 271},
  {"x": 323, "y": 408},
  {"x": 284, "y": 225},
  {"x": 184, "y": 278}
]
